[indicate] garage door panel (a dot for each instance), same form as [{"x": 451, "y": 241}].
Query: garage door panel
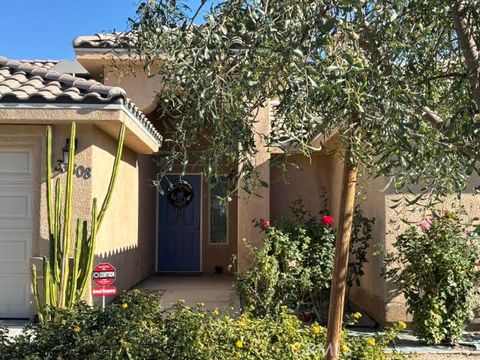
[
  {"x": 14, "y": 302},
  {"x": 15, "y": 161},
  {"x": 15, "y": 165},
  {"x": 15, "y": 206},
  {"x": 14, "y": 251}
]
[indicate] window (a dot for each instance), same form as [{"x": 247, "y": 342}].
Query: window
[{"x": 218, "y": 213}]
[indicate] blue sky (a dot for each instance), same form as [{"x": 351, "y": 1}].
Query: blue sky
[{"x": 44, "y": 29}]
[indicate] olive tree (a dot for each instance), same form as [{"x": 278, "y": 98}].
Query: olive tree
[{"x": 397, "y": 80}]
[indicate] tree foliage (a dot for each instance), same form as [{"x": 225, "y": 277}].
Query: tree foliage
[{"x": 400, "y": 67}]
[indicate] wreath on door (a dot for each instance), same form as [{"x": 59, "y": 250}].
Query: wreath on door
[{"x": 180, "y": 193}]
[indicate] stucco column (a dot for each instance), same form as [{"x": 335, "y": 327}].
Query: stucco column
[{"x": 252, "y": 207}]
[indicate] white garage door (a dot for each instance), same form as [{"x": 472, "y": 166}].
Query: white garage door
[{"x": 16, "y": 181}]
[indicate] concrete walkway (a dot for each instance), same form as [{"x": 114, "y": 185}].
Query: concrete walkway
[
  {"x": 215, "y": 291},
  {"x": 468, "y": 347},
  {"x": 15, "y": 327}
]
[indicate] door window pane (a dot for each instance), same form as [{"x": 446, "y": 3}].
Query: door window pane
[{"x": 218, "y": 213}]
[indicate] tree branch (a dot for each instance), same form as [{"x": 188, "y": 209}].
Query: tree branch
[
  {"x": 437, "y": 122},
  {"x": 443, "y": 76},
  {"x": 468, "y": 47}
]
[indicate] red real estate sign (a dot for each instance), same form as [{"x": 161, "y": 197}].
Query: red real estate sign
[
  {"x": 104, "y": 274},
  {"x": 104, "y": 291}
]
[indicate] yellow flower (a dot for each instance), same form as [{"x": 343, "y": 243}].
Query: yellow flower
[
  {"x": 181, "y": 301},
  {"x": 357, "y": 315},
  {"x": 76, "y": 329},
  {"x": 371, "y": 341},
  {"x": 215, "y": 311},
  {"x": 296, "y": 346},
  {"x": 345, "y": 348},
  {"x": 200, "y": 304},
  {"x": 316, "y": 329},
  {"x": 239, "y": 344},
  {"x": 402, "y": 325},
  {"x": 124, "y": 305}
]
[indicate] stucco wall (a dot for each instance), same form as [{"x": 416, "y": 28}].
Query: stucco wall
[
  {"x": 119, "y": 241},
  {"x": 370, "y": 295},
  {"x": 140, "y": 87},
  {"x": 126, "y": 237},
  {"x": 251, "y": 206},
  {"x": 309, "y": 180}
]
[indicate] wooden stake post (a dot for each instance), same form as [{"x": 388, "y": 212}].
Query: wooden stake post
[
  {"x": 342, "y": 248},
  {"x": 340, "y": 269}
]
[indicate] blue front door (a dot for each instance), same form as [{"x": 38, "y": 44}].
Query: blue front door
[{"x": 179, "y": 228}]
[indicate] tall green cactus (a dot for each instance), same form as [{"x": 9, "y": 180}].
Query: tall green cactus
[{"x": 64, "y": 278}]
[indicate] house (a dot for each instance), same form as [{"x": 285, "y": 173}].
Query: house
[
  {"x": 145, "y": 233},
  {"x": 32, "y": 95}
]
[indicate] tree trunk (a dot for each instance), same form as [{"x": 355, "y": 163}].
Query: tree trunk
[
  {"x": 342, "y": 246},
  {"x": 468, "y": 46}
]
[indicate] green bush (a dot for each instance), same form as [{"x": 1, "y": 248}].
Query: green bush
[
  {"x": 294, "y": 266},
  {"x": 435, "y": 267},
  {"x": 137, "y": 328}
]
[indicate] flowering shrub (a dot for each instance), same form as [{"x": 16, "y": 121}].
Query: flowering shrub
[
  {"x": 435, "y": 267},
  {"x": 294, "y": 266},
  {"x": 142, "y": 330}
]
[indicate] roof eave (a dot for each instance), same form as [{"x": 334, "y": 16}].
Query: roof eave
[{"x": 107, "y": 117}]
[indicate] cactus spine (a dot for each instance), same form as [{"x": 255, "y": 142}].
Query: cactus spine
[{"x": 65, "y": 279}]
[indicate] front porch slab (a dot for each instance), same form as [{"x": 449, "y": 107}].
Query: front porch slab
[{"x": 215, "y": 291}]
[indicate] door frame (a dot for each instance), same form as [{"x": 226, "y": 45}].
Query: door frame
[{"x": 157, "y": 230}]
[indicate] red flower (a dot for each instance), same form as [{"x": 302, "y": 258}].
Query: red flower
[
  {"x": 265, "y": 224},
  {"x": 327, "y": 220}
]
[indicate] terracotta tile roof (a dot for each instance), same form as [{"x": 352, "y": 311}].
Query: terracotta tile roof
[
  {"x": 32, "y": 81},
  {"x": 46, "y": 64},
  {"x": 123, "y": 40},
  {"x": 111, "y": 40},
  {"x": 22, "y": 81}
]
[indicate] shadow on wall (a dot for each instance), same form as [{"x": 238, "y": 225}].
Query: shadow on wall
[
  {"x": 135, "y": 262},
  {"x": 131, "y": 266}
]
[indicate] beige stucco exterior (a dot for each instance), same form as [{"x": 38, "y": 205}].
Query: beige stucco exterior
[
  {"x": 254, "y": 206},
  {"x": 128, "y": 235}
]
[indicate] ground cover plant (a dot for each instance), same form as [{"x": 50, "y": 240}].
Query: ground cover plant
[
  {"x": 136, "y": 327},
  {"x": 435, "y": 266}
]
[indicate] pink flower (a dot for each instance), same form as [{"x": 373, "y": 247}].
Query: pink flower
[
  {"x": 327, "y": 220},
  {"x": 292, "y": 263},
  {"x": 425, "y": 224},
  {"x": 265, "y": 224}
]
